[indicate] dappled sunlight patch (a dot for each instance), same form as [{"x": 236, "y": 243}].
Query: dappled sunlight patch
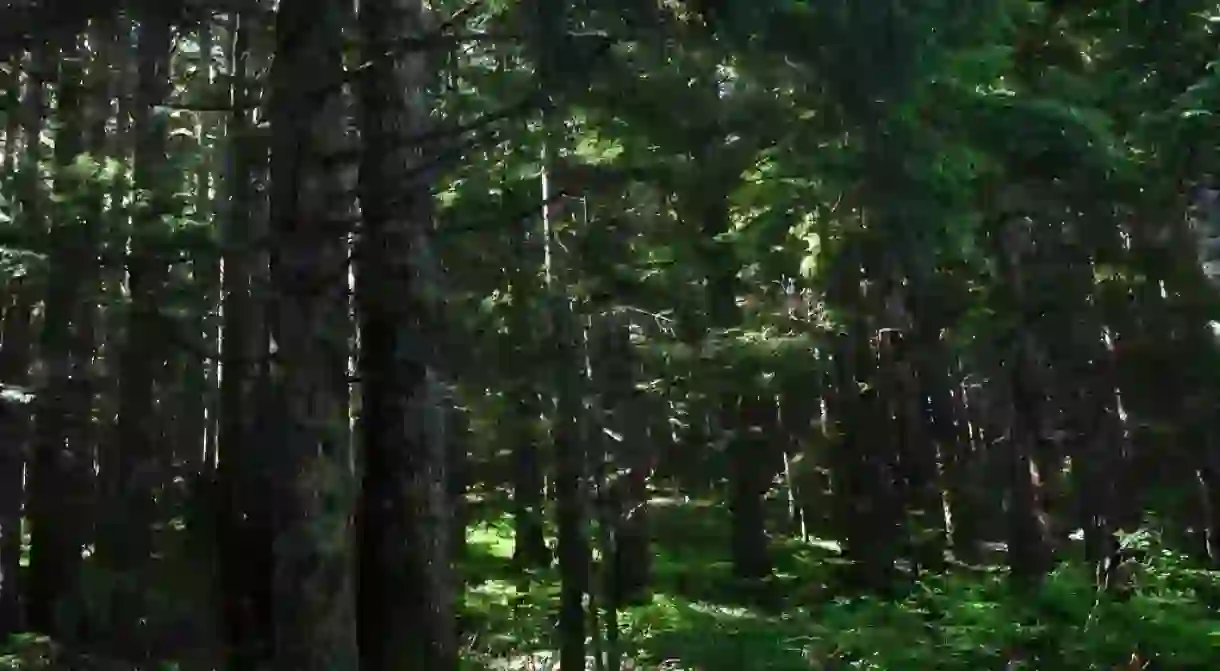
[{"x": 494, "y": 537}]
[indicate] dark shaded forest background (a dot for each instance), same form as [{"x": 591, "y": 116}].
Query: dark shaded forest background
[{"x": 610, "y": 334}]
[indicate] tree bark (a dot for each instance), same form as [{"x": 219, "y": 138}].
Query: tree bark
[
  {"x": 406, "y": 609},
  {"x": 314, "y": 492}
]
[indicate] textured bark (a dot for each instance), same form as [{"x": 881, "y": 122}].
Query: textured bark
[
  {"x": 197, "y": 436},
  {"x": 314, "y": 489},
  {"x": 406, "y": 605}
]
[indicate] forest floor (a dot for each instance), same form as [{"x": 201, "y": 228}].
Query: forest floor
[
  {"x": 803, "y": 620},
  {"x": 967, "y": 621}
]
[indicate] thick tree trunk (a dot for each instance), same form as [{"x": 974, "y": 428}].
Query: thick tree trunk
[
  {"x": 863, "y": 486},
  {"x": 862, "y": 459},
  {"x": 314, "y": 490},
  {"x": 1029, "y": 544},
  {"x": 917, "y": 454},
  {"x": 751, "y": 457},
  {"x": 406, "y": 609},
  {"x": 529, "y": 549},
  {"x": 197, "y": 428}
]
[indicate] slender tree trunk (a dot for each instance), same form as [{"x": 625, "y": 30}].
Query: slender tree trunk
[
  {"x": 15, "y": 351},
  {"x": 242, "y": 478},
  {"x": 60, "y": 470},
  {"x": 529, "y": 518},
  {"x": 143, "y": 354},
  {"x": 950, "y": 426},
  {"x": 16, "y": 348},
  {"x": 571, "y": 489},
  {"x": 198, "y": 429}
]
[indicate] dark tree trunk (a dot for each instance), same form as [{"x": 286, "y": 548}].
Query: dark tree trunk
[
  {"x": 60, "y": 469},
  {"x": 143, "y": 353},
  {"x": 571, "y": 495},
  {"x": 242, "y": 517},
  {"x": 16, "y": 349},
  {"x": 751, "y": 460},
  {"x": 950, "y": 423},
  {"x": 529, "y": 548},
  {"x": 863, "y": 458},
  {"x": 624, "y": 496},
  {"x": 314, "y": 491},
  {"x": 405, "y": 598},
  {"x": 863, "y": 486},
  {"x": 14, "y": 435},
  {"x": 917, "y": 457},
  {"x": 1029, "y": 552}
]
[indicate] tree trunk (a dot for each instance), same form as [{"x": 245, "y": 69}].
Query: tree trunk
[
  {"x": 15, "y": 350},
  {"x": 571, "y": 495},
  {"x": 406, "y": 610},
  {"x": 917, "y": 457},
  {"x": 529, "y": 519},
  {"x": 630, "y": 413},
  {"x": 314, "y": 492},
  {"x": 143, "y": 354},
  {"x": 737, "y": 415},
  {"x": 242, "y": 521},
  {"x": 1029, "y": 554},
  {"x": 61, "y": 467}
]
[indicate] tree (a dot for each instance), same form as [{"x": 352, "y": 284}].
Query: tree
[
  {"x": 314, "y": 494},
  {"x": 405, "y": 521}
]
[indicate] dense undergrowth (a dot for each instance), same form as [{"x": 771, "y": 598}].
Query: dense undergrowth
[{"x": 968, "y": 620}]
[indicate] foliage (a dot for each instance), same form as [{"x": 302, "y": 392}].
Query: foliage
[{"x": 961, "y": 621}]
